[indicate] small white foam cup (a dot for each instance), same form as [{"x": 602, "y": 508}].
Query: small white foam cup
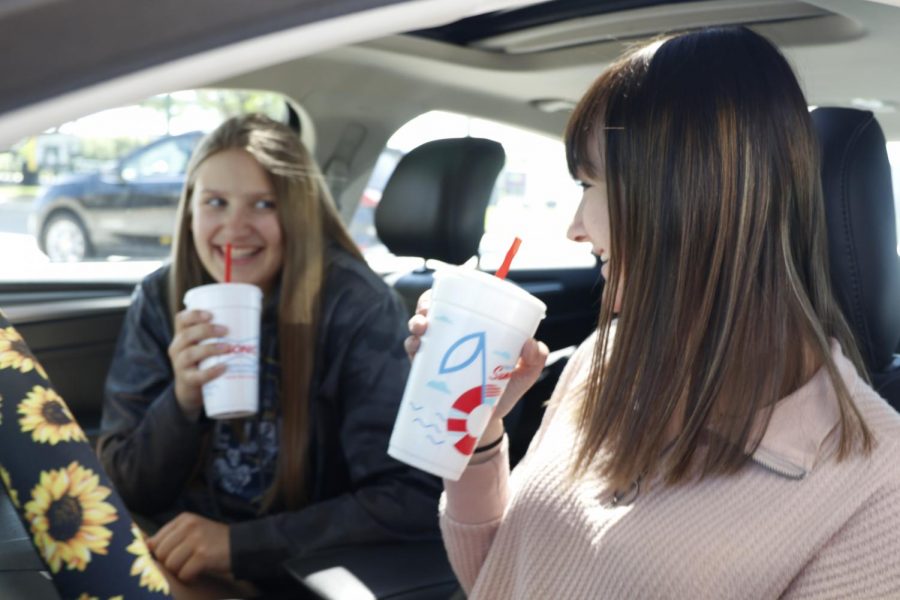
[
  {"x": 237, "y": 306},
  {"x": 477, "y": 326}
]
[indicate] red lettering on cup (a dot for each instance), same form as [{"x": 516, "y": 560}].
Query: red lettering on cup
[
  {"x": 241, "y": 349},
  {"x": 500, "y": 373}
]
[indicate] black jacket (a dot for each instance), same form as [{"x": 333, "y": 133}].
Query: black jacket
[{"x": 358, "y": 494}]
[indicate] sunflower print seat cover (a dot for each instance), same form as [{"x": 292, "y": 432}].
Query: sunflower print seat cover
[{"x": 77, "y": 522}]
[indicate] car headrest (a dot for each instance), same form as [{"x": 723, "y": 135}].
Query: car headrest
[
  {"x": 862, "y": 236},
  {"x": 434, "y": 203}
]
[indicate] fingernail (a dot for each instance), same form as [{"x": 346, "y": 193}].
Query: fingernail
[{"x": 220, "y": 329}]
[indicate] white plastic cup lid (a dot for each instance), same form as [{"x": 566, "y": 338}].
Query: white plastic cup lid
[
  {"x": 224, "y": 295},
  {"x": 489, "y": 296}
]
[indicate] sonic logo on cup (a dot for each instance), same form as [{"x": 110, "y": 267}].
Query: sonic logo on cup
[
  {"x": 242, "y": 357},
  {"x": 241, "y": 349},
  {"x": 501, "y": 372}
]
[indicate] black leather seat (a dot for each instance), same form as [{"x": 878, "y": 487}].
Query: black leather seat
[
  {"x": 862, "y": 238},
  {"x": 434, "y": 203}
]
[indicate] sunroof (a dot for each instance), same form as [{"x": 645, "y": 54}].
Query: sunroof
[{"x": 480, "y": 27}]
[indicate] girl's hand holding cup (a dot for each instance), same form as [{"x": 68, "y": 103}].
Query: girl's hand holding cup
[{"x": 186, "y": 351}]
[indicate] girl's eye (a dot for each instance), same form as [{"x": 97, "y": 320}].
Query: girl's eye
[
  {"x": 215, "y": 202},
  {"x": 584, "y": 185},
  {"x": 265, "y": 204}
]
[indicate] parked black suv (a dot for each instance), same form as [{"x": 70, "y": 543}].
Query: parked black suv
[{"x": 128, "y": 209}]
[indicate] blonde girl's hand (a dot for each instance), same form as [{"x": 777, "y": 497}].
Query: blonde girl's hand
[
  {"x": 186, "y": 352},
  {"x": 190, "y": 546}
]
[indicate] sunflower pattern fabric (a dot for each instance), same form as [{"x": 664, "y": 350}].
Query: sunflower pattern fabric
[{"x": 77, "y": 522}]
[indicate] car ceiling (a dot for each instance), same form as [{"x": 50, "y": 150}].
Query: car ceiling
[
  {"x": 63, "y": 59},
  {"x": 57, "y": 45},
  {"x": 844, "y": 51}
]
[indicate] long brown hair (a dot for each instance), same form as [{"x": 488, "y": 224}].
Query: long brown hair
[
  {"x": 718, "y": 248},
  {"x": 309, "y": 220}
]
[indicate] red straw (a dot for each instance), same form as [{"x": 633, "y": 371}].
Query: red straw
[
  {"x": 504, "y": 268},
  {"x": 228, "y": 263}
]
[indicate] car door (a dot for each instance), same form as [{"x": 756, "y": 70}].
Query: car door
[
  {"x": 105, "y": 196},
  {"x": 154, "y": 178}
]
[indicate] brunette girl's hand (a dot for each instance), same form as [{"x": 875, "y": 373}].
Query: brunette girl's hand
[
  {"x": 186, "y": 352},
  {"x": 528, "y": 368},
  {"x": 417, "y": 325}
]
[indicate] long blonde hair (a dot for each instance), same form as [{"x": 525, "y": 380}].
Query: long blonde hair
[
  {"x": 718, "y": 248},
  {"x": 309, "y": 220}
]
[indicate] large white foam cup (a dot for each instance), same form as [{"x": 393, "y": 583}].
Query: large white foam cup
[
  {"x": 237, "y": 306},
  {"x": 477, "y": 325}
]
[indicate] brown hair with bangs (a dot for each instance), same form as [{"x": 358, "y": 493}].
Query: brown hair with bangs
[
  {"x": 718, "y": 244},
  {"x": 309, "y": 220}
]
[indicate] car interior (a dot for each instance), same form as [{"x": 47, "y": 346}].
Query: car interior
[
  {"x": 352, "y": 75},
  {"x": 856, "y": 180}
]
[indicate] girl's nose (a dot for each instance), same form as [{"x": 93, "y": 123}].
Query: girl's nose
[
  {"x": 236, "y": 220},
  {"x": 575, "y": 234},
  {"x": 576, "y": 231}
]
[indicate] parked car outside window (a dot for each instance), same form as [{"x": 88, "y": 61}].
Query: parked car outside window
[
  {"x": 110, "y": 194},
  {"x": 128, "y": 209}
]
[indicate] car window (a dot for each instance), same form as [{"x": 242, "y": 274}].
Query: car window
[
  {"x": 102, "y": 190},
  {"x": 162, "y": 160},
  {"x": 534, "y": 197}
]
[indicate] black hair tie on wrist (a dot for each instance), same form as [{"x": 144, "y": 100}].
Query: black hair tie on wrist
[{"x": 493, "y": 444}]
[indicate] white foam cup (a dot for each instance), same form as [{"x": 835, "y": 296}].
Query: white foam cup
[
  {"x": 237, "y": 306},
  {"x": 477, "y": 325}
]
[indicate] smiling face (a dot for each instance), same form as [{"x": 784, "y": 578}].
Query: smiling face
[
  {"x": 591, "y": 224},
  {"x": 233, "y": 202},
  {"x": 591, "y": 220}
]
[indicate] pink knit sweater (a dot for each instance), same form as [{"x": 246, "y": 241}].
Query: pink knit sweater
[{"x": 794, "y": 523}]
